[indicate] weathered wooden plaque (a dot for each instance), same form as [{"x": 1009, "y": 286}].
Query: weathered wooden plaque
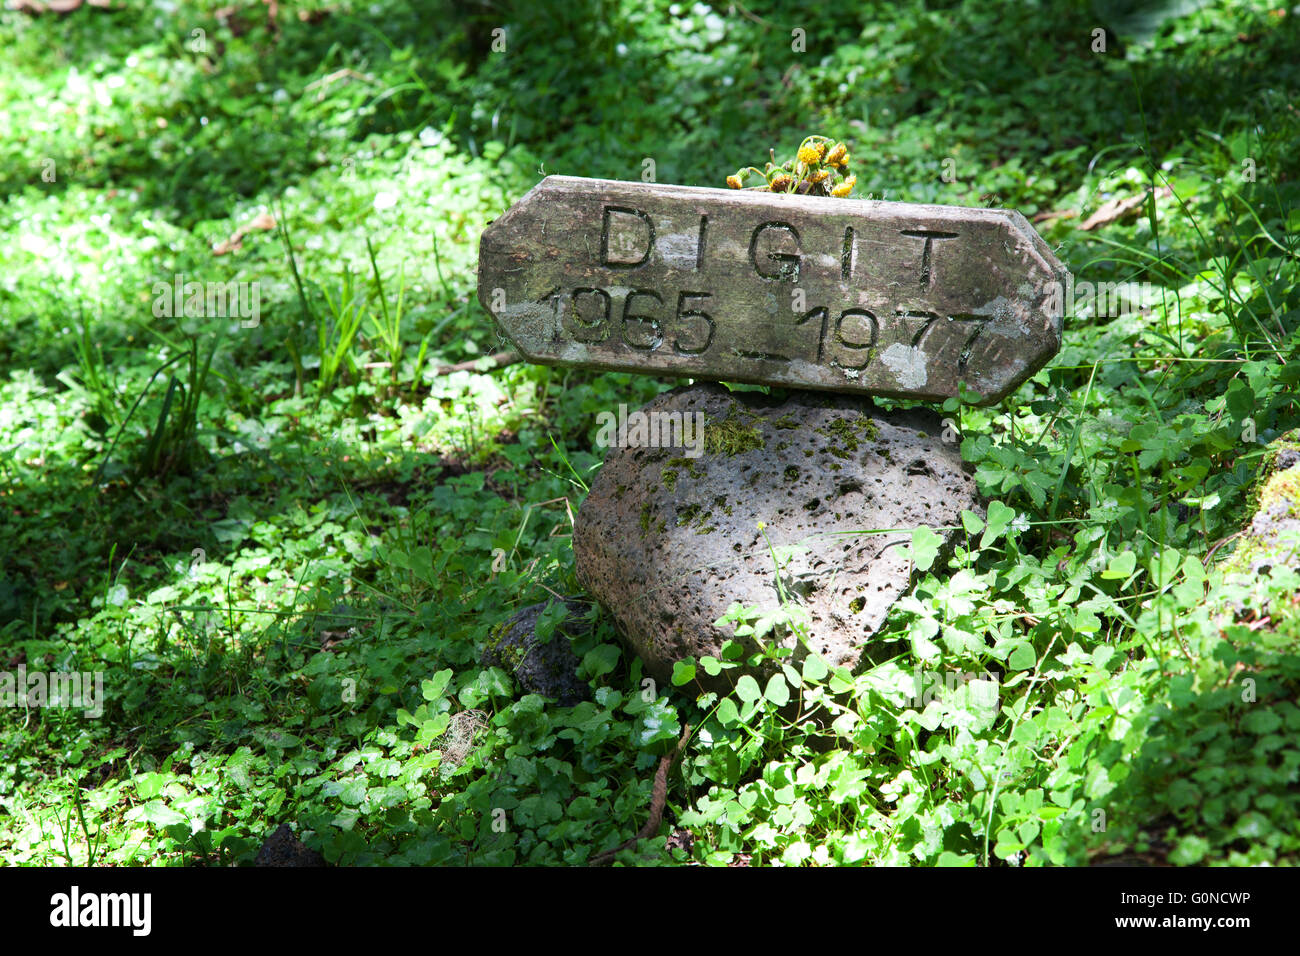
[{"x": 846, "y": 295}]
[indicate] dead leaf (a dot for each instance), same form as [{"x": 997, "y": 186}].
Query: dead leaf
[
  {"x": 262, "y": 222},
  {"x": 1117, "y": 209},
  {"x": 330, "y": 639},
  {"x": 315, "y": 16},
  {"x": 334, "y": 77},
  {"x": 1048, "y": 216}
]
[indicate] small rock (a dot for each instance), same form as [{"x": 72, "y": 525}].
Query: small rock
[
  {"x": 282, "y": 848},
  {"x": 668, "y": 542},
  {"x": 549, "y": 669},
  {"x": 680, "y": 839}
]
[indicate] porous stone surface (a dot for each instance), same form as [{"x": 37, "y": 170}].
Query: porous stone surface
[
  {"x": 668, "y": 542},
  {"x": 549, "y": 668}
]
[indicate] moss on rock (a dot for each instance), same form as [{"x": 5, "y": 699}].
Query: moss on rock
[
  {"x": 1273, "y": 534},
  {"x": 731, "y": 436},
  {"x": 670, "y": 471},
  {"x": 847, "y": 434}
]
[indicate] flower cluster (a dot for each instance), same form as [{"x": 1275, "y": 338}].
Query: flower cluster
[{"x": 820, "y": 168}]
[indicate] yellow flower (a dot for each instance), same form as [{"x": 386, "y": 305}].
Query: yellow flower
[
  {"x": 762, "y": 525},
  {"x": 733, "y": 182},
  {"x": 810, "y": 154},
  {"x": 820, "y": 176},
  {"x": 844, "y": 188},
  {"x": 780, "y": 183},
  {"x": 838, "y": 155}
]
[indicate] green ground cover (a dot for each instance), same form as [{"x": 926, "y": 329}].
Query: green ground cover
[{"x": 283, "y": 538}]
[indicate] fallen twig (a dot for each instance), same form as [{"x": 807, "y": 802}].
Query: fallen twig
[
  {"x": 481, "y": 364},
  {"x": 657, "y": 798}
]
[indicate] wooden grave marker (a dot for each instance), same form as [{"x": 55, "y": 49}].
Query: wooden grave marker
[{"x": 884, "y": 298}]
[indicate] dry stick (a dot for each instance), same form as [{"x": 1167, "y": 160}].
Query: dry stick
[
  {"x": 1206, "y": 559},
  {"x": 500, "y": 360},
  {"x": 657, "y": 798}
]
